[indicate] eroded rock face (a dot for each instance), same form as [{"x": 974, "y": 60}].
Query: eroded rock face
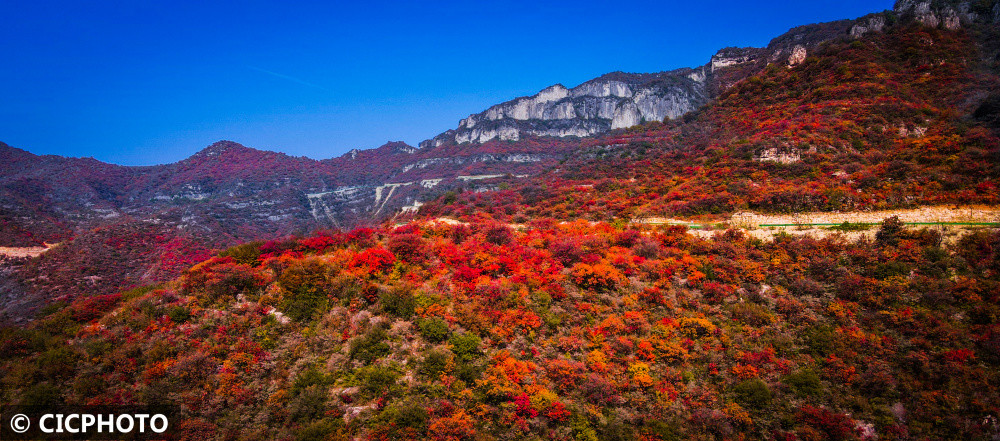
[
  {"x": 798, "y": 56},
  {"x": 951, "y": 15},
  {"x": 613, "y": 101},
  {"x": 734, "y": 56},
  {"x": 871, "y": 24},
  {"x": 618, "y": 100}
]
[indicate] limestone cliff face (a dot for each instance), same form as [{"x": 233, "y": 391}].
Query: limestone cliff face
[
  {"x": 611, "y": 101},
  {"x": 619, "y": 100},
  {"x": 874, "y": 23},
  {"x": 949, "y": 14}
]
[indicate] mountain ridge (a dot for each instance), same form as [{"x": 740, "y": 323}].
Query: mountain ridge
[{"x": 623, "y": 99}]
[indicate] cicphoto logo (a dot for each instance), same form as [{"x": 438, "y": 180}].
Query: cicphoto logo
[{"x": 86, "y": 422}]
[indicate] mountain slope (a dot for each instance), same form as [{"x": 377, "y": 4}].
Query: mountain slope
[
  {"x": 878, "y": 112},
  {"x": 249, "y": 194},
  {"x": 620, "y": 100},
  {"x": 884, "y": 120},
  {"x": 561, "y": 327},
  {"x": 223, "y": 195},
  {"x": 560, "y": 331}
]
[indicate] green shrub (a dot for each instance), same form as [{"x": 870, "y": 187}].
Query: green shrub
[
  {"x": 57, "y": 363},
  {"x": 407, "y": 416},
  {"x": 890, "y": 232},
  {"x": 848, "y": 226},
  {"x": 617, "y": 430},
  {"x": 753, "y": 394},
  {"x": 42, "y": 394},
  {"x": 309, "y": 404},
  {"x": 310, "y": 377},
  {"x": 51, "y": 309},
  {"x": 753, "y": 314},
  {"x": 804, "y": 382},
  {"x": 889, "y": 269},
  {"x": 435, "y": 362},
  {"x": 178, "y": 314},
  {"x": 307, "y": 290},
  {"x": 465, "y": 346},
  {"x": 434, "y": 329},
  {"x": 820, "y": 340},
  {"x": 327, "y": 428},
  {"x": 376, "y": 380},
  {"x": 137, "y": 292},
  {"x": 469, "y": 373},
  {"x": 661, "y": 430},
  {"x": 582, "y": 430},
  {"x": 89, "y": 385},
  {"x": 371, "y": 346},
  {"x": 247, "y": 254},
  {"x": 398, "y": 301}
]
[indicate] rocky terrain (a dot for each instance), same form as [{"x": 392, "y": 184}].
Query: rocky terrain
[{"x": 619, "y": 100}]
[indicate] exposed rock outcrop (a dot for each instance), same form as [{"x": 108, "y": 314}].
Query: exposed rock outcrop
[
  {"x": 798, "y": 56},
  {"x": 951, "y": 15},
  {"x": 611, "y": 101},
  {"x": 734, "y": 56},
  {"x": 875, "y": 23},
  {"x": 619, "y": 100}
]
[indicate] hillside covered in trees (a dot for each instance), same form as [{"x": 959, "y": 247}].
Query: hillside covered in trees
[
  {"x": 559, "y": 331},
  {"x": 535, "y": 307}
]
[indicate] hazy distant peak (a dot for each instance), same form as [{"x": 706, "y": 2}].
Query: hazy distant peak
[{"x": 223, "y": 147}]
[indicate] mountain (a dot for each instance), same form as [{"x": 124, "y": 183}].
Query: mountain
[
  {"x": 43, "y": 198},
  {"x": 529, "y": 298},
  {"x": 620, "y": 100},
  {"x": 244, "y": 193},
  {"x": 132, "y": 226},
  {"x": 814, "y": 121},
  {"x": 901, "y": 117},
  {"x": 611, "y": 101},
  {"x": 247, "y": 194}
]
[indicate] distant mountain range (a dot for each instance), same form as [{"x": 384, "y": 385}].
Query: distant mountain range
[{"x": 240, "y": 192}]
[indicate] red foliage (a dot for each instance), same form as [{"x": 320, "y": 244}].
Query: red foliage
[
  {"x": 94, "y": 307},
  {"x": 373, "y": 260},
  {"x": 836, "y": 426}
]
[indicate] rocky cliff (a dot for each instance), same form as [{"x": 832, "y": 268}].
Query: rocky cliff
[
  {"x": 612, "y": 101},
  {"x": 949, "y": 14},
  {"x": 619, "y": 100}
]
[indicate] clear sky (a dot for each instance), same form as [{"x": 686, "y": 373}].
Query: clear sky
[{"x": 145, "y": 82}]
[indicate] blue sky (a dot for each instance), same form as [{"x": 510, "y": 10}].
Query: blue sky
[{"x": 144, "y": 82}]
